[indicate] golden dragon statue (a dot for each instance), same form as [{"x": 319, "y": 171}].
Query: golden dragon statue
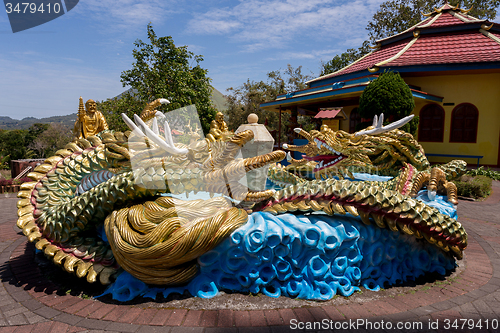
[
  {"x": 381, "y": 150},
  {"x": 103, "y": 204}
]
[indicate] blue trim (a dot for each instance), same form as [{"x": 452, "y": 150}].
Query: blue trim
[
  {"x": 320, "y": 95},
  {"x": 425, "y": 96},
  {"x": 337, "y": 92},
  {"x": 335, "y": 85}
]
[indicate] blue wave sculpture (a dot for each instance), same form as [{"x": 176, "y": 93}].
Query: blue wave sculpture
[{"x": 312, "y": 257}]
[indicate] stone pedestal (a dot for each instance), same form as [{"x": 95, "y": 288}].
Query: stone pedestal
[{"x": 262, "y": 143}]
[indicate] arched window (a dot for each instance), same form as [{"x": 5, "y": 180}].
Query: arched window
[
  {"x": 431, "y": 123},
  {"x": 464, "y": 123},
  {"x": 354, "y": 120}
]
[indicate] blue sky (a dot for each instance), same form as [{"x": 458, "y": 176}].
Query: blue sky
[{"x": 44, "y": 70}]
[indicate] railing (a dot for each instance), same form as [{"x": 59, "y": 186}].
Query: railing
[{"x": 459, "y": 156}]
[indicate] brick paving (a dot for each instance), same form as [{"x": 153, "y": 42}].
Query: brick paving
[{"x": 28, "y": 303}]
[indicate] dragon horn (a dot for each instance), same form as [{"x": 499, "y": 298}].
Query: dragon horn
[
  {"x": 167, "y": 146},
  {"x": 155, "y": 126},
  {"x": 382, "y": 129},
  {"x": 303, "y": 133},
  {"x": 131, "y": 125},
  {"x": 291, "y": 147},
  {"x": 168, "y": 134}
]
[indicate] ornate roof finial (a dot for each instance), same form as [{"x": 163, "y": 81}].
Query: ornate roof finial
[{"x": 81, "y": 108}]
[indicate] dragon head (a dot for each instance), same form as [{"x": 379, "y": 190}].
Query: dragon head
[{"x": 378, "y": 149}]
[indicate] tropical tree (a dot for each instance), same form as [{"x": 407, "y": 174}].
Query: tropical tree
[
  {"x": 163, "y": 70},
  {"x": 395, "y": 16},
  {"x": 247, "y": 98},
  {"x": 55, "y": 137},
  {"x": 13, "y": 143},
  {"x": 113, "y": 108}
]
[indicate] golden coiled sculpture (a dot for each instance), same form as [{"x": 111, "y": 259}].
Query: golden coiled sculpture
[{"x": 158, "y": 241}]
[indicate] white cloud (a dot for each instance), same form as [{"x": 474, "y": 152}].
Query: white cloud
[
  {"x": 126, "y": 14},
  {"x": 259, "y": 24}
]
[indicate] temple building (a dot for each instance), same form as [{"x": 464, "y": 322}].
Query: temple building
[{"x": 450, "y": 61}]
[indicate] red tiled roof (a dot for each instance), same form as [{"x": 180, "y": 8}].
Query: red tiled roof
[
  {"x": 464, "y": 46},
  {"x": 375, "y": 57},
  {"x": 446, "y": 19}
]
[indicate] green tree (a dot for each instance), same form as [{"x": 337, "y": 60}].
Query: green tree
[
  {"x": 14, "y": 144},
  {"x": 388, "y": 94},
  {"x": 34, "y": 131},
  {"x": 55, "y": 137},
  {"x": 163, "y": 70},
  {"x": 247, "y": 98},
  {"x": 396, "y": 16},
  {"x": 113, "y": 108}
]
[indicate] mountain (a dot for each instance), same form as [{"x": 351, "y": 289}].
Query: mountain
[{"x": 10, "y": 124}]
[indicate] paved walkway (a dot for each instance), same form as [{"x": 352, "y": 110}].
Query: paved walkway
[{"x": 28, "y": 303}]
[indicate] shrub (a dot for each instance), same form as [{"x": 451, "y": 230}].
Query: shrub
[
  {"x": 388, "y": 94},
  {"x": 481, "y": 171},
  {"x": 474, "y": 186}
]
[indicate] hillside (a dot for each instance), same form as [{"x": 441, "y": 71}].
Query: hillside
[{"x": 10, "y": 124}]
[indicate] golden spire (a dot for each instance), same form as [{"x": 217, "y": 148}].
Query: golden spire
[{"x": 81, "y": 109}]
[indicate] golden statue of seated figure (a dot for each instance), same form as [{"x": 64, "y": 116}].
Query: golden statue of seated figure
[
  {"x": 89, "y": 121},
  {"x": 219, "y": 129}
]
